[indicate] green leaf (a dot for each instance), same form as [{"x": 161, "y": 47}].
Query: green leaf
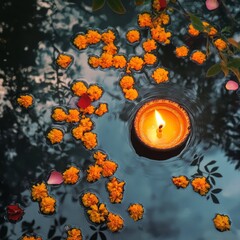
[
  {"x": 97, "y": 4},
  {"x": 196, "y": 22},
  {"x": 234, "y": 63},
  {"x": 116, "y": 6},
  {"x": 214, "y": 70}
]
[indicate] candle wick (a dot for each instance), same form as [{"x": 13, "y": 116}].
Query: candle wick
[{"x": 160, "y": 127}]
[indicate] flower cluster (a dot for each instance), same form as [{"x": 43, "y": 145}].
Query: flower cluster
[
  {"x": 82, "y": 131},
  {"x": 102, "y": 167},
  {"x": 74, "y": 234},
  {"x": 127, "y": 84},
  {"x": 136, "y": 211},
  {"x": 220, "y": 44},
  {"x": 222, "y": 222},
  {"x": 64, "y": 60},
  {"x": 25, "y": 101},
  {"x": 115, "y": 189},
  {"x": 110, "y": 57},
  {"x": 199, "y": 184},
  {"x": 39, "y": 193}
]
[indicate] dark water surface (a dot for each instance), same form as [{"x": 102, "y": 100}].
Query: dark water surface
[{"x": 31, "y": 34}]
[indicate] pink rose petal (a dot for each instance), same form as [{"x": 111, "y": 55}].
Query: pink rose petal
[
  {"x": 231, "y": 85},
  {"x": 55, "y": 178},
  {"x": 212, "y": 4},
  {"x": 84, "y": 101}
]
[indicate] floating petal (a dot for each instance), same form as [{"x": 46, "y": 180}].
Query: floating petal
[
  {"x": 212, "y": 4},
  {"x": 55, "y": 178},
  {"x": 14, "y": 212},
  {"x": 84, "y": 101},
  {"x": 232, "y": 85}
]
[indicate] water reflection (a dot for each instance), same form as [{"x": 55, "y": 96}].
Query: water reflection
[{"x": 29, "y": 44}]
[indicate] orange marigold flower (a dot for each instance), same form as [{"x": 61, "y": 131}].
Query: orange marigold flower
[
  {"x": 114, "y": 222},
  {"x": 89, "y": 140},
  {"x": 73, "y": 116},
  {"x": 30, "y": 238},
  {"x": 156, "y": 5},
  {"x": 160, "y": 75},
  {"x": 149, "y": 45},
  {"x": 127, "y": 82},
  {"x": 136, "y": 211},
  {"x": 39, "y": 191},
  {"x": 94, "y": 61},
  {"x": 88, "y": 110},
  {"x": 144, "y": 20},
  {"x": 89, "y": 199},
  {"x": 159, "y": 34},
  {"x": 99, "y": 157},
  {"x": 70, "y": 176},
  {"x": 135, "y": 63},
  {"x": 102, "y": 109},
  {"x": 192, "y": 31},
  {"x": 106, "y": 60},
  {"x": 220, "y": 44},
  {"x": 80, "y": 41},
  {"x": 181, "y": 51},
  {"x": 64, "y": 60},
  {"x": 86, "y": 124},
  {"x": 115, "y": 189},
  {"x": 77, "y": 132},
  {"x": 162, "y": 19},
  {"x": 130, "y": 94},
  {"x": 180, "y": 182},
  {"x": 211, "y": 31},
  {"x": 98, "y": 214},
  {"x": 94, "y": 92},
  {"x": 25, "y": 101},
  {"x": 149, "y": 58},
  {"x": 59, "y": 115},
  {"x": 94, "y": 173},
  {"x": 47, "y": 205},
  {"x": 110, "y": 48},
  {"x": 79, "y": 88},
  {"x": 200, "y": 185},
  {"x": 119, "y": 61},
  {"x": 93, "y": 37},
  {"x": 108, "y": 168},
  {"x": 55, "y": 135},
  {"x": 198, "y": 57},
  {"x": 133, "y": 36},
  {"x": 74, "y": 234},
  {"x": 108, "y": 37},
  {"x": 222, "y": 222}
]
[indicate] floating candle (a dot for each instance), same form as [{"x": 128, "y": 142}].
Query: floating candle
[{"x": 162, "y": 124}]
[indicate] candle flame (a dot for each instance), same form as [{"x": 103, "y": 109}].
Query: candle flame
[{"x": 159, "y": 119}]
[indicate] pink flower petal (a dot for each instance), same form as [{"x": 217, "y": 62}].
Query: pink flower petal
[
  {"x": 55, "y": 178},
  {"x": 84, "y": 101},
  {"x": 212, "y": 4},
  {"x": 231, "y": 85}
]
